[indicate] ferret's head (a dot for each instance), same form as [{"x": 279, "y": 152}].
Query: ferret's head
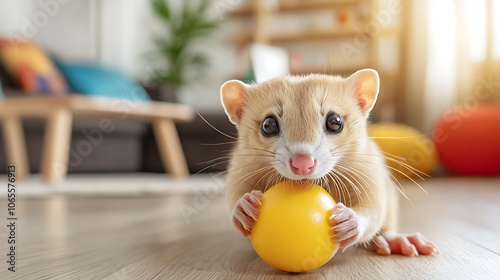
[{"x": 305, "y": 126}]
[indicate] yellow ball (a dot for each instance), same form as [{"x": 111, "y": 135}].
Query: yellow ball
[
  {"x": 292, "y": 232},
  {"x": 406, "y": 144}
]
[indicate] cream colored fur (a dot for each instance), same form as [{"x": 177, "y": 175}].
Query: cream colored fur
[{"x": 301, "y": 104}]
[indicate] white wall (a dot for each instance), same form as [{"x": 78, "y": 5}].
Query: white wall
[
  {"x": 11, "y": 13},
  {"x": 118, "y": 33},
  {"x": 125, "y": 34},
  {"x": 59, "y": 26}
]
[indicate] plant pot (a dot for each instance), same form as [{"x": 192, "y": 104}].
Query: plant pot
[{"x": 163, "y": 92}]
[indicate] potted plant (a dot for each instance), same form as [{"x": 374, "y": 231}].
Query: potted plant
[{"x": 177, "y": 61}]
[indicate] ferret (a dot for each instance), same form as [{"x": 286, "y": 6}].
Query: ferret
[{"x": 314, "y": 128}]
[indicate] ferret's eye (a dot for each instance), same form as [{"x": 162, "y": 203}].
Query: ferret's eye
[
  {"x": 334, "y": 123},
  {"x": 270, "y": 126}
]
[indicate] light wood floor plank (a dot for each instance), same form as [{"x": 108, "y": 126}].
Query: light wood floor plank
[{"x": 148, "y": 237}]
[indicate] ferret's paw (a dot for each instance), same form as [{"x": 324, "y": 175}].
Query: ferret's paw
[
  {"x": 345, "y": 225},
  {"x": 246, "y": 211},
  {"x": 406, "y": 244}
]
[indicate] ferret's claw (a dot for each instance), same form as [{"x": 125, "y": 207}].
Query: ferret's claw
[
  {"x": 382, "y": 246},
  {"x": 344, "y": 225},
  {"x": 435, "y": 251},
  {"x": 246, "y": 211},
  {"x": 406, "y": 244}
]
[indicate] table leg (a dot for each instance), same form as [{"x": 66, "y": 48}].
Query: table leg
[
  {"x": 170, "y": 148},
  {"x": 56, "y": 146},
  {"x": 15, "y": 146}
]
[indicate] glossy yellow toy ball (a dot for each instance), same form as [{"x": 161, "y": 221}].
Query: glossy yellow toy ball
[
  {"x": 404, "y": 143},
  {"x": 292, "y": 232}
]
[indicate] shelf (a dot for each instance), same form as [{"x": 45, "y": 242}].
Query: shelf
[
  {"x": 304, "y": 36},
  {"x": 243, "y": 12},
  {"x": 315, "y": 35},
  {"x": 330, "y": 70},
  {"x": 291, "y": 7},
  {"x": 389, "y": 32},
  {"x": 318, "y": 5},
  {"x": 344, "y": 70}
]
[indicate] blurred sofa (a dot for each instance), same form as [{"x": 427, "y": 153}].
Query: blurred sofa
[
  {"x": 26, "y": 70},
  {"x": 131, "y": 147},
  {"x": 203, "y": 146}
]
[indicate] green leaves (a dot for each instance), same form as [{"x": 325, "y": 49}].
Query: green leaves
[
  {"x": 161, "y": 9},
  {"x": 183, "y": 27}
]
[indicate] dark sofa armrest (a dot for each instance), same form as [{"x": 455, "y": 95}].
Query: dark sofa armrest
[{"x": 12, "y": 92}]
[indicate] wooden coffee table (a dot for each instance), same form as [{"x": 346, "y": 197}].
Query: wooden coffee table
[{"x": 60, "y": 111}]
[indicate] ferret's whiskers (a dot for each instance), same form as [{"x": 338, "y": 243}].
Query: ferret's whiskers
[
  {"x": 259, "y": 149},
  {"x": 280, "y": 178},
  {"x": 251, "y": 174},
  {"x": 410, "y": 168},
  {"x": 395, "y": 182},
  {"x": 401, "y": 160},
  {"x": 277, "y": 179},
  {"x": 270, "y": 175},
  {"x": 227, "y": 158},
  {"x": 396, "y": 170},
  {"x": 222, "y": 133},
  {"x": 321, "y": 182},
  {"x": 357, "y": 192},
  {"x": 334, "y": 182},
  {"x": 218, "y": 163},
  {"x": 361, "y": 176},
  {"x": 262, "y": 176},
  {"x": 340, "y": 185},
  {"x": 218, "y": 144},
  {"x": 398, "y": 137},
  {"x": 362, "y": 163},
  {"x": 410, "y": 178},
  {"x": 211, "y": 166},
  {"x": 326, "y": 184},
  {"x": 351, "y": 173},
  {"x": 347, "y": 192},
  {"x": 273, "y": 180},
  {"x": 343, "y": 187}
]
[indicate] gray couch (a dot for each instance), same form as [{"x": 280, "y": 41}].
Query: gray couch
[{"x": 198, "y": 140}]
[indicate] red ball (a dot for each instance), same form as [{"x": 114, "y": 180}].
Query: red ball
[{"x": 468, "y": 140}]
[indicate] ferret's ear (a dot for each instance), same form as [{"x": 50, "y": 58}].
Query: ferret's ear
[
  {"x": 232, "y": 94},
  {"x": 366, "y": 85}
]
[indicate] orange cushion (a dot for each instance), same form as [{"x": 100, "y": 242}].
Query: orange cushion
[{"x": 31, "y": 68}]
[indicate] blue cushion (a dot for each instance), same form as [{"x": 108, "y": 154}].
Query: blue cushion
[{"x": 91, "y": 79}]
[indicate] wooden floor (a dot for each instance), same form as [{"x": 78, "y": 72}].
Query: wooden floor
[{"x": 148, "y": 237}]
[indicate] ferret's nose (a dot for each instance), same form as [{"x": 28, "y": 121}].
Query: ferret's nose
[{"x": 302, "y": 164}]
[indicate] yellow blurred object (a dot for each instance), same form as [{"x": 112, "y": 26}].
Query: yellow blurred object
[
  {"x": 292, "y": 232},
  {"x": 403, "y": 143}
]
